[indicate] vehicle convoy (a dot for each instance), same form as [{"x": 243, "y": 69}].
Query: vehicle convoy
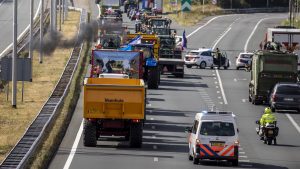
[
  {"x": 214, "y": 136},
  {"x": 268, "y": 68},
  {"x": 114, "y": 98}
]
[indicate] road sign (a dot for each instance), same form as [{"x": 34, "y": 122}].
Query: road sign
[{"x": 186, "y": 5}]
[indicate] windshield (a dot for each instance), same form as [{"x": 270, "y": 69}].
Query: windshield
[
  {"x": 246, "y": 56},
  {"x": 217, "y": 129},
  {"x": 193, "y": 53},
  {"x": 289, "y": 90},
  {"x": 117, "y": 62}
]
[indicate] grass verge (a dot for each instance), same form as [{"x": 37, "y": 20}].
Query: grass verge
[
  {"x": 193, "y": 17},
  {"x": 55, "y": 136},
  {"x": 296, "y": 23},
  {"x": 14, "y": 122}
]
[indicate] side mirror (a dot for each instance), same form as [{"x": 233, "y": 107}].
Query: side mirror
[
  {"x": 188, "y": 129},
  {"x": 257, "y": 121}
]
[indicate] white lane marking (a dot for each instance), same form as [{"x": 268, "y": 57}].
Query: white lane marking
[
  {"x": 214, "y": 74},
  {"x": 218, "y": 91},
  {"x": 235, "y": 80},
  {"x": 221, "y": 87},
  {"x": 219, "y": 97},
  {"x": 243, "y": 156},
  {"x": 217, "y": 87},
  {"x": 215, "y": 78},
  {"x": 293, "y": 122},
  {"x": 74, "y": 147},
  {"x": 155, "y": 159},
  {"x": 149, "y": 104},
  {"x": 216, "y": 82},
  {"x": 241, "y": 152},
  {"x": 240, "y": 148},
  {"x": 153, "y": 136},
  {"x": 253, "y": 31},
  {"x": 203, "y": 26},
  {"x": 151, "y": 118},
  {"x": 243, "y": 100},
  {"x": 22, "y": 34},
  {"x": 246, "y": 161},
  {"x": 221, "y": 102}
]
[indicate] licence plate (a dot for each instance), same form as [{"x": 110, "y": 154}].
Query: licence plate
[
  {"x": 288, "y": 99},
  {"x": 217, "y": 144}
]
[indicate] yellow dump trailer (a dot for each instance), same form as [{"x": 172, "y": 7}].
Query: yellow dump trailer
[{"x": 113, "y": 107}]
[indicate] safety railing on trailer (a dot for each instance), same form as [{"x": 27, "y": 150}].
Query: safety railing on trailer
[{"x": 27, "y": 145}]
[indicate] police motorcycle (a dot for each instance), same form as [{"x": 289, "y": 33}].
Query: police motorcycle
[{"x": 267, "y": 133}]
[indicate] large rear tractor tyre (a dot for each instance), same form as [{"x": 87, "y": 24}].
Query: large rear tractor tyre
[
  {"x": 136, "y": 135},
  {"x": 235, "y": 162},
  {"x": 153, "y": 78},
  {"x": 89, "y": 134}
]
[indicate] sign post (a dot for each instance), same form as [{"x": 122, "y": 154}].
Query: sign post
[{"x": 185, "y": 5}]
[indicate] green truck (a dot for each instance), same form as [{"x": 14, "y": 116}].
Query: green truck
[{"x": 268, "y": 68}]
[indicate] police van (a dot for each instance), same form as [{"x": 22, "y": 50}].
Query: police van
[{"x": 214, "y": 136}]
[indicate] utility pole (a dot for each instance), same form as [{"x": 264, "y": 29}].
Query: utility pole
[
  {"x": 202, "y": 6},
  {"x": 31, "y": 25},
  {"x": 59, "y": 7},
  {"x": 41, "y": 30},
  {"x": 14, "y": 56},
  {"x": 53, "y": 15}
]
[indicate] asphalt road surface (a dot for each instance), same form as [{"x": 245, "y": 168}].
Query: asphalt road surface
[
  {"x": 6, "y": 19},
  {"x": 172, "y": 107}
]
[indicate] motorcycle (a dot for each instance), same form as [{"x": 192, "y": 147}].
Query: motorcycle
[{"x": 268, "y": 133}]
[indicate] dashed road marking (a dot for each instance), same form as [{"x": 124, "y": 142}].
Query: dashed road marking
[
  {"x": 153, "y": 136},
  {"x": 221, "y": 102},
  {"x": 243, "y": 156},
  {"x": 151, "y": 118},
  {"x": 216, "y": 82},
  {"x": 217, "y": 87},
  {"x": 246, "y": 161},
  {"x": 218, "y": 91},
  {"x": 155, "y": 159},
  {"x": 219, "y": 97},
  {"x": 244, "y": 100},
  {"x": 241, "y": 152}
]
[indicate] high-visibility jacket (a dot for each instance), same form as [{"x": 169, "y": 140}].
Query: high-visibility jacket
[{"x": 267, "y": 118}]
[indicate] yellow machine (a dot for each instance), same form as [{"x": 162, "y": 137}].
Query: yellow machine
[
  {"x": 148, "y": 39},
  {"x": 113, "y": 107}
]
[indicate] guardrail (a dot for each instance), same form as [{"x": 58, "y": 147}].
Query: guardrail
[
  {"x": 27, "y": 145},
  {"x": 246, "y": 10}
]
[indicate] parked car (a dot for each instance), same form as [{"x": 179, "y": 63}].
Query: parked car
[
  {"x": 243, "y": 60},
  {"x": 201, "y": 58},
  {"x": 285, "y": 96},
  {"x": 220, "y": 60}
]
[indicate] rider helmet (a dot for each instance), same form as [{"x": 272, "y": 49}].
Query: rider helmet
[{"x": 268, "y": 110}]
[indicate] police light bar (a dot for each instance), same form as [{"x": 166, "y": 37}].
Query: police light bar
[{"x": 217, "y": 112}]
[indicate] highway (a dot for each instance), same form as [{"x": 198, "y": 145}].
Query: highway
[
  {"x": 6, "y": 19},
  {"x": 172, "y": 107}
]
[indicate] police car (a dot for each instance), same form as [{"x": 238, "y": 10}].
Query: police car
[{"x": 214, "y": 136}]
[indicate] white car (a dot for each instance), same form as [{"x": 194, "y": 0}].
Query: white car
[
  {"x": 243, "y": 59},
  {"x": 213, "y": 136},
  {"x": 201, "y": 58}
]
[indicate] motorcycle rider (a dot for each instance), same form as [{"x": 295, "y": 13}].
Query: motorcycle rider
[{"x": 267, "y": 117}]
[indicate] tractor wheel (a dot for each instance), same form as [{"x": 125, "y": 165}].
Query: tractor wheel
[
  {"x": 136, "y": 135},
  {"x": 153, "y": 78},
  {"x": 89, "y": 134}
]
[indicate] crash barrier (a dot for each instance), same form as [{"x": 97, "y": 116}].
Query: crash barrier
[
  {"x": 32, "y": 139},
  {"x": 245, "y": 10},
  {"x": 256, "y": 10}
]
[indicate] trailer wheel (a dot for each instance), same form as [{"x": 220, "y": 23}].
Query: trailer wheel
[
  {"x": 136, "y": 135},
  {"x": 89, "y": 134},
  {"x": 153, "y": 78}
]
